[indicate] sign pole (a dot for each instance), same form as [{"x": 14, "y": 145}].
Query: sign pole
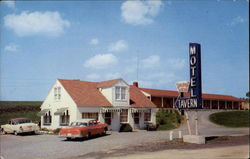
[
  {"x": 189, "y": 130},
  {"x": 196, "y": 123}
]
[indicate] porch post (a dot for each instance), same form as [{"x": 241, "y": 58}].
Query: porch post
[
  {"x": 218, "y": 105},
  {"x": 162, "y": 102},
  {"x": 225, "y": 104},
  {"x": 210, "y": 103},
  {"x": 232, "y": 105},
  {"x": 173, "y": 103}
]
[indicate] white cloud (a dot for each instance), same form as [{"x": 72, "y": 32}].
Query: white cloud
[
  {"x": 93, "y": 76},
  {"x": 118, "y": 46},
  {"x": 101, "y": 61},
  {"x": 94, "y": 41},
  {"x": 36, "y": 23},
  {"x": 11, "y": 48},
  {"x": 176, "y": 63},
  {"x": 10, "y": 3},
  {"x": 237, "y": 20},
  {"x": 139, "y": 12},
  {"x": 151, "y": 61}
]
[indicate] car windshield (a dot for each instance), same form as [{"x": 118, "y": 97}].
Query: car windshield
[
  {"x": 24, "y": 121},
  {"x": 78, "y": 124}
]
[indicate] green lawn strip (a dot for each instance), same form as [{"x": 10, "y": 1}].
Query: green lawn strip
[
  {"x": 234, "y": 119},
  {"x": 166, "y": 127},
  {"x": 31, "y": 115},
  {"x": 19, "y": 106},
  {"x": 19, "y": 103}
]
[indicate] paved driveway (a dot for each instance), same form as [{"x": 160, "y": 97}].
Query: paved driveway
[{"x": 50, "y": 146}]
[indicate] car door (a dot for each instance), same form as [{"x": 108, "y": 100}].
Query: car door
[{"x": 9, "y": 127}]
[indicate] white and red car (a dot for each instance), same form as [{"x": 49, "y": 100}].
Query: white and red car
[{"x": 83, "y": 128}]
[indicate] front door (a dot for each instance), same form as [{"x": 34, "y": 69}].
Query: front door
[
  {"x": 136, "y": 117},
  {"x": 107, "y": 118}
]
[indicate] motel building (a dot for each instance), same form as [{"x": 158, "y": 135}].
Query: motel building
[{"x": 114, "y": 102}]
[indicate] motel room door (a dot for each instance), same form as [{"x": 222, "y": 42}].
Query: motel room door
[{"x": 136, "y": 117}]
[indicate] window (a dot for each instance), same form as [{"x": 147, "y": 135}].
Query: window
[
  {"x": 117, "y": 92},
  {"x": 57, "y": 93},
  {"x": 107, "y": 118},
  {"x": 147, "y": 116},
  {"x": 90, "y": 116},
  {"x": 123, "y": 92},
  {"x": 64, "y": 118},
  {"x": 120, "y": 93},
  {"x": 124, "y": 115},
  {"x": 47, "y": 119}
]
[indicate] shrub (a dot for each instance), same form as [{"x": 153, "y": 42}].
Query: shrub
[
  {"x": 44, "y": 129},
  {"x": 168, "y": 120},
  {"x": 125, "y": 128},
  {"x": 56, "y": 131}
]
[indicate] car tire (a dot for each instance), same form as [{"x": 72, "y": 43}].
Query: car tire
[
  {"x": 105, "y": 131},
  {"x": 3, "y": 132},
  {"x": 15, "y": 133},
  {"x": 88, "y": 135}
]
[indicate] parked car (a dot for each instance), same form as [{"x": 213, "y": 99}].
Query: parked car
[
  {"x": 19, "y": 126},
  {"x": 83, "y": 128}
]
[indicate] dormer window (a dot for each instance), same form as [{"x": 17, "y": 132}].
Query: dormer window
[
  {"x": 57, "y": 93},
  {"x": 120, "y": 93}
]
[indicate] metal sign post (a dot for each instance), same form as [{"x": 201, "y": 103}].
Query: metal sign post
[{"x": 194, "y": 87}]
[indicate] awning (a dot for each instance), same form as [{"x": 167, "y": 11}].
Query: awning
[
  {"x": 60, "y": 111},
  {"x": 43, "y": 112},
  {"x": 140, "y": 110},
  {"x": 133, "y": 110},
  {"x": 104, "y": 110}
]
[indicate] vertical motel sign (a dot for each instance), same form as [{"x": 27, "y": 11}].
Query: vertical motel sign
[
  {"x": 195, "y": 99},
  {"x": 195, "y": 74}
]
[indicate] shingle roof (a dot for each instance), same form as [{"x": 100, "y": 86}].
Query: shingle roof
[
  {"x": 137, "y": 98},
  {"x": 168, "y": 93},
  {"x": 86, "y": 93},
  {"x": 107, "y": 83}
]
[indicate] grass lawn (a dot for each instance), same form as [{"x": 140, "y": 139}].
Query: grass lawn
[
  {"x": 234, "y": 119},
  {"x": 19, "y": 103},
  {"x": 6, "y": 116},
  {"x": 166, "y": 127}
]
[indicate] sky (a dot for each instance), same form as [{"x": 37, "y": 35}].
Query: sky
[{"x": 144, "y": 41}]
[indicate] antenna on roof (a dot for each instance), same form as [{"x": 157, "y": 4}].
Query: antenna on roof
[{"x": 137, "y": 66}]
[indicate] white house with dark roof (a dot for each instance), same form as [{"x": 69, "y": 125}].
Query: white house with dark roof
[{"x": 112, "y": 102}]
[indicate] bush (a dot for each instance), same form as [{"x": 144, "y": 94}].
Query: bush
[
  {"x": 168, "y": 120},
  {"x": 44, "y": 129},
  {"x": 125, "y": 128},
  {"x": 56, "y": 131}
]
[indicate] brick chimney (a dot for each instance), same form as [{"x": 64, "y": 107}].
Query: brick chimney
[{"x": 135, "y": 84}]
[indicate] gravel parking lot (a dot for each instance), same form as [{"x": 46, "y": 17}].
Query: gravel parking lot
[{"x": 51, "y": 146}]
